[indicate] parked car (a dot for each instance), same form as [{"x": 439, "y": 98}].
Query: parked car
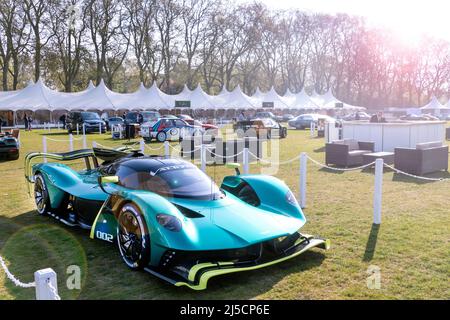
[
  {"x": 90, "y": 120},
  {"x": 185, "y": 117},
  {"x": 206, "y": 126},
  {"x": 168, "y": 129},
  {"x": 9, "y": 146},
  {"x": 286, "y": 117},
  {"x": 135, "y": 117},
  {"x": 114, "y": 121},
  {"x": 422, "y": 117},
  {"x": 169, "y": 218},
  {"x": 359, "y": 115},
  {"x": 267, "y": 115},
  {"x": 304, "y": 120},
  {"x": 256, "y": 127}
]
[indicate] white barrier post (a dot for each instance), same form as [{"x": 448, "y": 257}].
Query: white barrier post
[
  {"x": 142, "y": 145},
  {"x": 166, "y": 149},
  {"x": 94, "y": 144},
  {"x": 303, "y": 162},
  {"x": 70, "y": 142},
  {"x": 100, "y": 128},
  {"x": 203, "y": 157},
  {"x": 78, "y": 129},
  {"x": 45, "y": 281},
  {"x": 44, "y": 147},
  {"x": 84, "y": 142},
  {"x": 378, "y": 191},
  {"x": 246, "y": 161},
  {"x": 312, "y": 128},
  {"x": 84, "y": 129}
]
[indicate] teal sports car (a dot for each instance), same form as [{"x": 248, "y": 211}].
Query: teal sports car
[{"x": 168, "y": 217}]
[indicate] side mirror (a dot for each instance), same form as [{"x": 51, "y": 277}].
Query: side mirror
[
  {"x": 107, "y": 179},
  {"x": 235, "y": 166}
]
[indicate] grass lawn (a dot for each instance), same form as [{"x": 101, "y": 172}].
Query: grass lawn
[{"x": 411, "y": 247}]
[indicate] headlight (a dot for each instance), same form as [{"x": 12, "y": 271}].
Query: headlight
[
  {"x": 169, "y": 222},
  {"x": 290, "y": 198}
]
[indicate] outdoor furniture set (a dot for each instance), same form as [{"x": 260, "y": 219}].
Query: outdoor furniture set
[{"x": 424, "y": 158}]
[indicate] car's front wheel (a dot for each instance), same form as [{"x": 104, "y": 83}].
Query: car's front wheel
[
  {"x": 161, "y": 136},
  {"x": 133, "y": 238},
  {"x": 41, "y": 197}
]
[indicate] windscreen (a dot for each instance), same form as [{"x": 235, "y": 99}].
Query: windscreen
[
  {"x": 90, "y": 116},
  {"x": 179, "y": 181}
]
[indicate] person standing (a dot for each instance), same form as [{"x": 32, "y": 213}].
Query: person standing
[
  {"x": 63, "y": 120},
  {"x": 25, "y": 121},
  {"x": 1, "y": 123},
  {"x": 30, "y": 120}
]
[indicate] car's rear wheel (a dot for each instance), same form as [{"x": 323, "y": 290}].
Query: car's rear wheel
[
  {"x": 133, "y": 238},
  {"x": 41, "y": 197},
  {"x": 161, "y": 136}
]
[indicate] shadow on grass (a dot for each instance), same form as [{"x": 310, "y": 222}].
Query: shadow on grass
[
  {"x": 108, "y": 275},
  {"x": 435, "y": 175},
  {"x": 322, "y": 149},
  {"x": 371, "y": 243},
  {"x": 331, "y": 171}
]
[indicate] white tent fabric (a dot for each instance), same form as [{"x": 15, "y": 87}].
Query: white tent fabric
[
  {"x": 200, "y": 99},
  {"x": 270, "y": 96},
  {"x": 158, "y": 99},
  {"x": 434, "y": 104},
  {"x": 236, "y": 99},
  {"x": 37, "y": 96},
  {"x": 301, "y": 100},
  {"x": 328, "y": 101}
]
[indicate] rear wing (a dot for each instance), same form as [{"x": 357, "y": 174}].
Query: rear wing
[{"x": 66, "y": 156}]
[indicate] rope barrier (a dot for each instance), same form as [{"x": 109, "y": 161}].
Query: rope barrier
[
  {"x": 11, "y": 277},
  {"x": 224, "y": 157},
  {"x": 274, "y": 162},
  {"x": 413, "y": 175},
  {"x": 150, "y": 148},
  {"x": 339, "y": 169},
  {"x": 63, "y": 140}
]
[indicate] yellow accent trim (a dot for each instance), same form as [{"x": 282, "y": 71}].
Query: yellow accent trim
[
  {"x": 193, "y": 271},
  {"x": 217, "y": 272},
  {"x": 109, "y": 179},
  {"x": 91, "y": 234},
  {"x": 232, "y": 165}
]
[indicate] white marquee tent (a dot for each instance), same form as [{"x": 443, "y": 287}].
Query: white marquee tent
[
  {"x": 300, "y": 100},
  {"x": 434, "y": 106},
  {"x": 37, "y": 96},
  {"x": 236, "y": 99}
]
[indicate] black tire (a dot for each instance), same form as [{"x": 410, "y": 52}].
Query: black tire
[
  {"x": 133, "y": 239},
  {"x": 161, "y": 136},
  {"x": 41, "y": 197},
  {"x": 14, "y": 157},
  {"x": 148, "y": 139}
]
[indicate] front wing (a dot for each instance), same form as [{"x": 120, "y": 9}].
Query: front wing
[{"x": 200, "y": 274}]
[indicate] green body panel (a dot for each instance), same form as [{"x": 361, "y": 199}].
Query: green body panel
[{"x": 61, "y": 178}]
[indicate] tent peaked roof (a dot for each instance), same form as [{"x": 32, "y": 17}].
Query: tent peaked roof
[
  {"x": 236, "y": 99},
  {"x": 302, "y": 101},
  {"x": 90, "y": 85},
  {"x": 200, "y": 99},
  {"x": 434, "y": 104}
]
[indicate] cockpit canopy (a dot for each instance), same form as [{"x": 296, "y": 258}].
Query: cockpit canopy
[{"x": 166, "y": 177}]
